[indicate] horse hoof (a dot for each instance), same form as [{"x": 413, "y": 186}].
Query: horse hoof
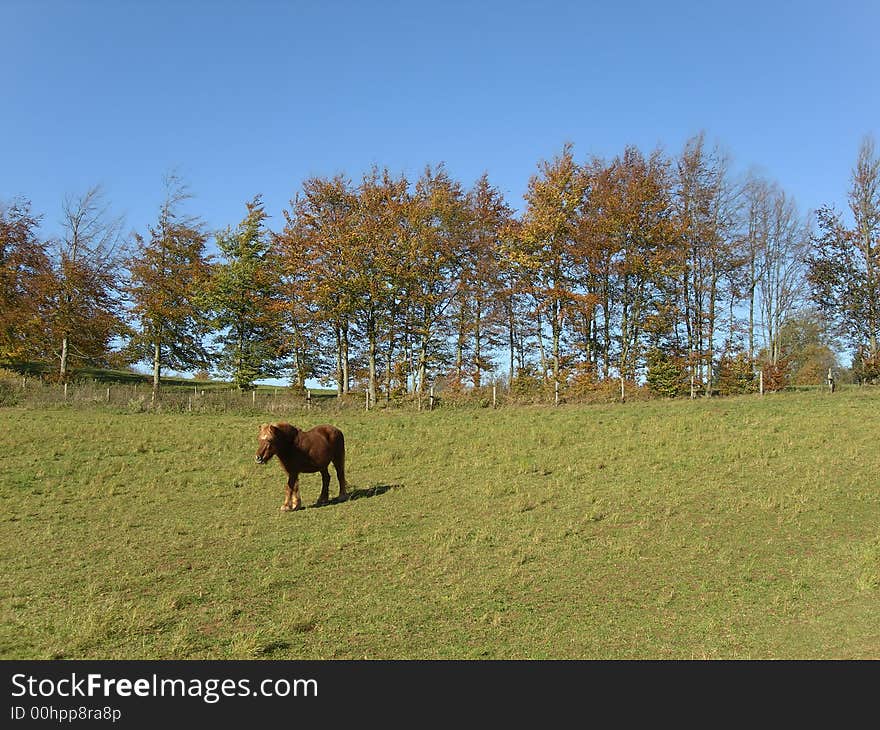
[{"x": 286, "y": 508}]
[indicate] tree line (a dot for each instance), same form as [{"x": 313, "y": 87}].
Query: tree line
[{"x": 665, "y": 269}]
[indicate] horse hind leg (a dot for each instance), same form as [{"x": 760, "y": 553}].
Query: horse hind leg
[
  {"x": 325, "y": 486},
  {"x": 339, "y": 465}
]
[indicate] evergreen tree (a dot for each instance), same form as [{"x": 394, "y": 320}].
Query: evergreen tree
[{"x": 244, "y": 297}]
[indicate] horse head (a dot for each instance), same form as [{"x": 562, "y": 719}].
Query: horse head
[{"x": 269, "y": 434}]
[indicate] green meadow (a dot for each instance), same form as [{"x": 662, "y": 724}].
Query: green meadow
[{"x": 738, "y": 528}]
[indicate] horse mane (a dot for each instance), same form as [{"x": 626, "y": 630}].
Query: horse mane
[{"x": 288, "y": 432}]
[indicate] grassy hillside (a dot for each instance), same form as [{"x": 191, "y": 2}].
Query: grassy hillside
[
  {"x": 737, "y": 528},
  {"x": 105, "y": 375}
]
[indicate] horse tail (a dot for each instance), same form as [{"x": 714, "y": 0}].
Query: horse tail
[{"x": 339, "y": 463}]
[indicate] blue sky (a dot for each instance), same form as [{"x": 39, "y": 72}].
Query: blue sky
[{"x": 252, "y": 97}]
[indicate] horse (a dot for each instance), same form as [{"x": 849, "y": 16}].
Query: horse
[{"x": 304, "y": 452}]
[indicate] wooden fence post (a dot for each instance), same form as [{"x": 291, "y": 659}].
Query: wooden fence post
[
  {"x": 761, "y": 382},
  {"x": 65, "y": 391},
  {"x": 431, "y": 401},
  {"x": 494, "y": 395},
  {"x": 308, "y": 399},
  {"x": 108, "y": 393},
  {"x": 555, "y": 392}
]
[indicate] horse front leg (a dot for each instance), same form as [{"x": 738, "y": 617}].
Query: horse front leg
[{"x": 292, "y": 499}]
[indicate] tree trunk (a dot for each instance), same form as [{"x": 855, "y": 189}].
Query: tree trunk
[
  {"x": 157, "y": 369},
  {"x": 624, "y": 334},
  {"x": 68, "y": 299},
  {"x": 459, "y": 349},
  {"x": 423, "y": 351},
  {"x": 240, "y": 357},
  {"x": 477, "y": 345},
  {"x": 64, "y": 354},
  {"x": 688, "y": 324},
  {"x": 338, "y": 361},
  {"x": 511, "y": 335},
  {"x": 871, "y": 286},
  {"x": 538, "y": 332},
  {"x": 299, "y": 360},
  {"x": 371, "y": 335},
  {"x": 296, "y": 368},
  {"x": 521, "y": 350},
  {"x": 389, "y": 360},
  {"x": 731, "y": 319},
  {"x": 606, "y": 323},
  {"x": 752, "y": 308},
  {"x": 556, "y": 331},
  {"x": 408, "y": 351},
  {"x": 423, "y": 365},
  {"x": 710, "y": 336},
  {"x": 345, "y": 377}
]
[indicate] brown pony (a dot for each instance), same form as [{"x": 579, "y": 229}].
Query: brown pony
[{"x": 304, "y": 452}]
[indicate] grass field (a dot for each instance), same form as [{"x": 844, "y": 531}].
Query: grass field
[{"x": 737, "y": 528}]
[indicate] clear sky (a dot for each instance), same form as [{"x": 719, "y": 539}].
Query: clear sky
[
  {"x": 251, "y": 97},
  {"x": 254, "y": 96}
]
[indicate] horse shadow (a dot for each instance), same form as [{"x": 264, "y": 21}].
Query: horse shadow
[{"x": 358, "y": 493}]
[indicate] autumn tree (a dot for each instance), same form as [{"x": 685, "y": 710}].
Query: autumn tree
[
  {"x": 633, "y": 213},
  {"x": 317, "y": 261},
  {"x": 377, "y": 276},
  {"x": 554, "y": 199},
  {"x": 480, "y": 312},
  {"x": 168, "y": 276},
  {"x": 707, "y": 212},
  {"x": 807, "y": 347},
  {"x": 438, "y": 222},
  {"x": 300, "y": 311},
  {"x": 844, "y": 268},
  {"x": 243, "y": 294},
  {"x": 85, "y": 314},
  {"x": 596, "y": 248},
  {"x": 26, "y": 281}
]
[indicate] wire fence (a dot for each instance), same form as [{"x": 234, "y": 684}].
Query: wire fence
[{"x": 137, "y": 397}]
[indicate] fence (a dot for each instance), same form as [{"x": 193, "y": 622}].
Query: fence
[
  {"x": 137, "y": 397},
  {"x": 208, "y": 398}
]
